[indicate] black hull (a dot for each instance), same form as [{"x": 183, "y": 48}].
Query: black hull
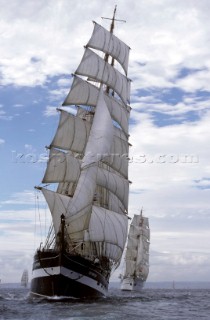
[{"x": 58, "y": 274}]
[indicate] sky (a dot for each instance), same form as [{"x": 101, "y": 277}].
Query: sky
[{"x": 42, "y": 43}]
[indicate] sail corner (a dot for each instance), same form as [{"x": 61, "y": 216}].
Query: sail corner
[{"x": 37, "y": 188}]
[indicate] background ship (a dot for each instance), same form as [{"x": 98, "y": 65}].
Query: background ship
[
  {"x": 88, "y": 164},
  {"x": 24, "y": 279},
  {"x": 137, "y": 254}
]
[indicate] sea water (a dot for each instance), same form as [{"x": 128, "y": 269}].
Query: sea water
[{"x": 150, "y": 304}]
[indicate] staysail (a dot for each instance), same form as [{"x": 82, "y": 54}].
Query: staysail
[{"x": 88, "y": 157}]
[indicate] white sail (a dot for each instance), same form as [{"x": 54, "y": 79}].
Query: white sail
[
  {"x": 81, "y": 93},
  {"x": 65, "y": 167},
  {"x": 114, "y": 204},
  {"x": 86, "y": 187},
  {"x": 61, "y": 204},
  {"x": 84, "y": 93},
  {"x": 140, "y": 253},
  {"x": 96, "y": 68},
  {"x": 101, "y": 134},
  {"x": 132, "y": 242},
  {"x": 107, "y": 42},
  {"x": 136, "y": 231},
  {"x": 98, "y": 144},
  {"x": 114, "y": 183},
  {"x": 130, "y": 267},
  {"x": 101, "y": 225},
  {"x": 110, "y": 228},
  {"x": 117, "y": 157},
  {"x": 72, "y": 133},
  {"x": 137, "y": 251},
  {"x": 61, "y": 167},
  {"x": 58, "y": 205}
]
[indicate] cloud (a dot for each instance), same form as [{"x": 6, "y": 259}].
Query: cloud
[
  {"x": 50, "y": 111},
  {"x": 185, "y": 138},
  {"x": 38, "y": 56},
  {"x": 176, "y": 266},
  {"x": 2, "y": 141},
  {"x": 27, "y": 197},
  {"x": 20, "y": 234},
  {"x": 164, "y": 51},
  {"x": 18, "y": 105},
  {"x": 3, "y": 115},
  {"x": 64, "y": 82},
  {"x": 203, "y": 183},
  {"x": 199, "y": 81}
]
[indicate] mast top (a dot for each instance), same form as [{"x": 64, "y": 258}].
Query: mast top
[
  {"x": 141, "y": 212},
  {"x": 113, "y": 20}
]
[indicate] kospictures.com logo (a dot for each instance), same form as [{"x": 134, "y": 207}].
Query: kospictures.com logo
[
  {"x": 165, "y": 158},
  {"x": 60, "y": 157}
]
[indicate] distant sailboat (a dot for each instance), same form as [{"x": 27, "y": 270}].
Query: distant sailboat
[
  {"x": 24, "y": 279},
  {"x": 137, "y": 254},
  {"x": 173, "y": 285}
]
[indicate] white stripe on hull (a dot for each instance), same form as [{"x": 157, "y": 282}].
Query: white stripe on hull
[
  {"x": 78, "y": 277},
  {"x": 130, "y": 284},
  {"x": 127, "y": 284},
  {"x": 45, "y": 272}
]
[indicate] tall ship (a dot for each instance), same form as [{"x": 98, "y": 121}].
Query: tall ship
[
  {"x": 137, "y": 254},
  {"x": 86, "y": 182},
  {"x": 24, "y": 279}
]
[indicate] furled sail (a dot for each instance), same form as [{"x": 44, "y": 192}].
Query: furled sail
[{"x": 88, "y": 157}]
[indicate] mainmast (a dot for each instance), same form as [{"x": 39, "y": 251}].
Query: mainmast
[
  {"x": 113, "y": 20},
  {"x": 106, "y": 57}
]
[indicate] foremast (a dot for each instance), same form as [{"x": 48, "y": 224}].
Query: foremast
[{"x": 88, "y": 157}]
